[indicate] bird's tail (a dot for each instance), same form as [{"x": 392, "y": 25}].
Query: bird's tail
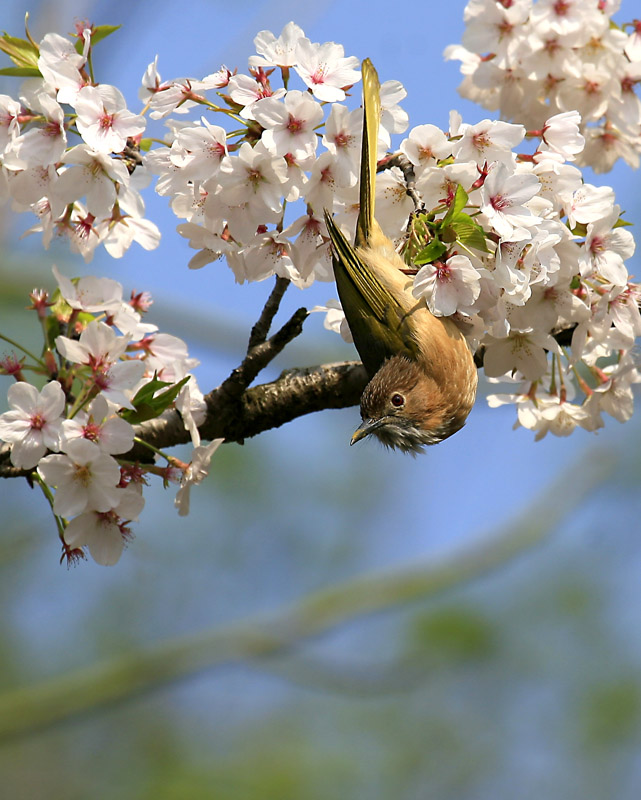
[{"x": 371, "y": 121}]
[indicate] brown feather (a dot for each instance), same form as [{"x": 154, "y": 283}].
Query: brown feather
[
  {"x": 424, "y": 377},
  {"x": 431, "y": 409}
]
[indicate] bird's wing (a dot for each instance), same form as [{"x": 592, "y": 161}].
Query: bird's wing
[
  {"x": 377, "y": 319},
  {"x": 378, "y": 322}
]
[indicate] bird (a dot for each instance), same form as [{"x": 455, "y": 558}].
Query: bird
[{"x": 422, "y": 376}]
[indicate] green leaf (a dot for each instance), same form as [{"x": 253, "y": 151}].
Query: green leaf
[
  {"x": 52, "y": 329},
  {"x": 580, "y": 229},
  {"x": 22, "y": 72},
  {"x": 22, "y": 52},
  {"x": 470, "y": 233},
  {"x": 458, "y": 204},
  {"x": 102, "y": 31},
  {"x": 435, "y": 249},
  {"x": 145, "y": 145},
  {"x": 97, "y": 35},
  {"x": 147, "y": 406},
  {"x": 623, "y": 223}
]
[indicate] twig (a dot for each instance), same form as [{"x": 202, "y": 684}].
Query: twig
[
  {"x": 406, "y": 167},
  {"x": 260, "y": 355},
  {"x": 261, "y": 328}
]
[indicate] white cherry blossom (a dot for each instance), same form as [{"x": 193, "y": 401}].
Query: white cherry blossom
[
  {"x": 100, "y": 349},
  {"x": 324, "y": 68},
  {"x": 94, "y": 176},
  {"x": 606, "y": 249},
  {"x": 43, "y": 143},
  {"x": 426, "y": 144},
  {"x": 101, "y": 425},
  {"x": 247, "y": 91},
  {"x": 100, "y": 533},
  {"x": 85, "y": 479},
  {"x": 33, "y": 424},
  {"x": 198, "y": 150},
  {"x": 488, "y": 141},
  {"x": 103, "y": 119},
  {"x": 9, "y": 125},
  {"x": 196, "y": 472},
  {"x": 289, "y": 125},
  {"x": 277, "y": 52},
  {"x": 504, "y": 198},
  {"x": 59, "y": 63},
  {"x": 524, "y": 351},
  {"x": 448, "y": 286},
  {"x": 561, "y": 134}
]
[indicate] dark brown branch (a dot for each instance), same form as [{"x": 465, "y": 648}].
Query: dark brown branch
[
  {"x": 260, "y": 355},
  {"x": 261, "y": 328},
  {"x": 294, "y": 394},
  {"x": 236, "y": 416}
]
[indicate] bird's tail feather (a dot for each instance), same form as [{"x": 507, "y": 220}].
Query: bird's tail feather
[{"x": 371, "y": 121}]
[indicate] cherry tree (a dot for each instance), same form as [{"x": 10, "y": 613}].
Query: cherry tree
[{"x": 497, "y": 225}]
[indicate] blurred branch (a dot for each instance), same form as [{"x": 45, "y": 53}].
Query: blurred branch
[{"x": 32, "y": 708}]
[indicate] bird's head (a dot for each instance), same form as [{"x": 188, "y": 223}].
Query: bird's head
[{"x": 407, "y": 409}]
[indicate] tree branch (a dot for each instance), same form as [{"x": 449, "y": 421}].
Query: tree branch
[
  {"x": 261, "y": 328},
  {"x": 261, "y": 354},
  {"x": 294, "y": 394}
]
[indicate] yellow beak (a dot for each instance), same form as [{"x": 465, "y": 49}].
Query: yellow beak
[{"x": 366, "y": 427}]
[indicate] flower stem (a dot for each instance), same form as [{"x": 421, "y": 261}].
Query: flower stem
[{"x": 24, "y": 350}]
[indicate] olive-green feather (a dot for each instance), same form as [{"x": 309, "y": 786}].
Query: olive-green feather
[
  {"x": 378, "y": 322},
  {"x": 371, "y": 122},
  {"x": 380, "y": 326}
]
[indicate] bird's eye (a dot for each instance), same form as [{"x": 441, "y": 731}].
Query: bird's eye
[{"x": 398, "y": 400}]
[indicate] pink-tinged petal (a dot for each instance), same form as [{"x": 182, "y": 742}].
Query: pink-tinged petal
[
  {"x": 98, "y": 338},
  {"x": 82, "y": 451},
  {"x": 100, "y": 534},
  {"x": 55, "y": 469},
  {"x": 52, "y": 399},
  {"x": 14, "y": 425},
  {"x": 23, "y": 397},
  {"x": 130, "y": 503},
  {"x": 51, "y": 435},
  {"x": 102, "y": 497},
  {"x": 105, "y": 469},
  {"x": 106, "y": 544},
  {"x": 26, "y": 453},
  {"x": 72, "y": 350},
  {"x": 70, "y": 499},
  {"x": 116, "y": 436}
]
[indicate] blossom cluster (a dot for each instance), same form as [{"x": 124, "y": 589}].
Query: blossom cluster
[
  {"x": 515, "y": 246},
  {"x": 105, "y": 369},
  {"x": 67, "y": 151},
  {"x": 530, "y": 60}
]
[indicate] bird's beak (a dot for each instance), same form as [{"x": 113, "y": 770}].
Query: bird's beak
[{"x": 366, "y": 427}]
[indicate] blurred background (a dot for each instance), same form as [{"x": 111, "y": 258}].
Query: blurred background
[{"x": 478, "y": 672}]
